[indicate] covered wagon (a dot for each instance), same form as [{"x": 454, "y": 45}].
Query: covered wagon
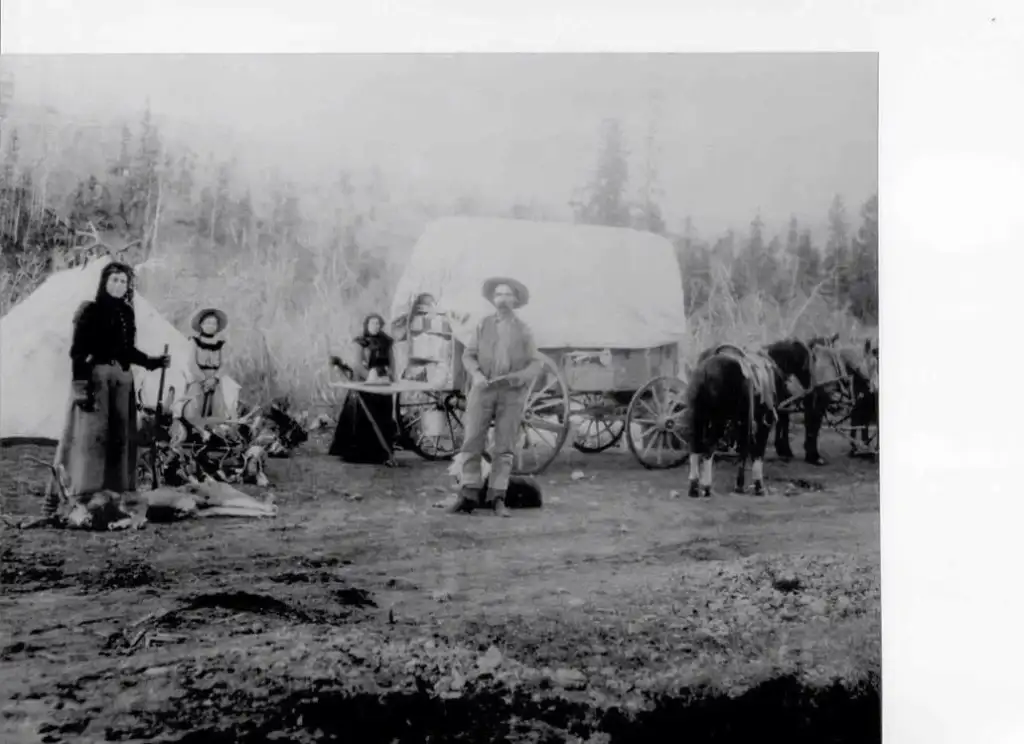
[{"x": 606, "y": 308}]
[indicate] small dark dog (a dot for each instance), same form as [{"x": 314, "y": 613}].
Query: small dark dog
[{"x": 523, "y": 491}]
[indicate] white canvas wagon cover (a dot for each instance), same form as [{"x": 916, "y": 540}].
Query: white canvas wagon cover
[{"x": 590, "y": 286}]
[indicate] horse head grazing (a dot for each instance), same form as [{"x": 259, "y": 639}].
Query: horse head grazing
[
  {"x": 827, "y": 365},
  {"x": 806, "y": 363},
  {"x": 793, "y": 359},
  {"x": 729, "y": 388}
]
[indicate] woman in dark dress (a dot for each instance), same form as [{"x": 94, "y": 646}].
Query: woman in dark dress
[
  {"x": 98, "y": 449},
  {"x": 355, "y": 439}
]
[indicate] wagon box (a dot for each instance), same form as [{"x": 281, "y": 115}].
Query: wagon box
[
  {"x": 615, "y": 370},
  {"x": 606, "y": 310}
]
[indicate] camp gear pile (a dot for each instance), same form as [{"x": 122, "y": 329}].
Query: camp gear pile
[{"x": 227, "y": 451}]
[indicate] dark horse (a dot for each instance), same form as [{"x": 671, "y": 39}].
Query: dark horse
[
  {"x": 795, "y": 359},
  {"x": 823, "y": 369},
  {"x": 733, "y": 389},
  {"x": 858, "y": 365}
]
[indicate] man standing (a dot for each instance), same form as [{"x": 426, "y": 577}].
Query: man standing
[{"x": 502, "y": 361}]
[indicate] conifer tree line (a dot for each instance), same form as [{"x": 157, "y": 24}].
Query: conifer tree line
[
  {"x": 843, "y": 272},
  {"x": 150, "y": 187}
]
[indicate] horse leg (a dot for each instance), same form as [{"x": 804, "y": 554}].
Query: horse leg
[
  {"x": 743, "y": 449},
  {"x": 814, "y": 413},
  {"x": 782, "y": 448},
  {"x": 695, "y": 458},
  {"x": 857, "y": 425},
  {"x": 710, "y": 435},
  {"x": 707, "y": 476},
  {"x": 696, "y": 442},
  {"x": 764, "y": 430}
]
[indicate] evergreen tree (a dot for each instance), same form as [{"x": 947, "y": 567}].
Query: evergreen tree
[
  {"x": 747, "y": 267},
  {"x": 694, "y": 257},
  {"x": 604, "y": 199},
  {"x": 809, "y": 264},
  {"x": 649, "y": 216},
  {"x": 792, "y": 235},
  {"x": 863, "y": 270},
  {"x": 837, "y": 251}
]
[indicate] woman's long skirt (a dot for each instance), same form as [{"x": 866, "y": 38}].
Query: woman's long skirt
[
  {"x": 99, "y": 449},
  {"x": 355, "y": 439},
  {"x": 204, "y": 405}
]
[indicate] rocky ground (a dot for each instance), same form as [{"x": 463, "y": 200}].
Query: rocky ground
[{"x": 621, "y": 611}]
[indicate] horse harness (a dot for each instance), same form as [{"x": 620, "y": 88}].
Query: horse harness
[
  {"x": 760, "y": 371},
  {"x": 839, "y": 368},
  {"x": 758, "y": 368}
]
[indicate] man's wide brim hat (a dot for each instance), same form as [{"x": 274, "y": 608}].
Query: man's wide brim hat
[
  {"x": 200, "y": 316},
  {"x": 518, "y": 288}
]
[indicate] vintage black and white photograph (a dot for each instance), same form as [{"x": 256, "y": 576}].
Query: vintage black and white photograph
[{"x": 440, "y": 397}]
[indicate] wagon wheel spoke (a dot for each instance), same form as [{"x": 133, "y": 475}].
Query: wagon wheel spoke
[
  {"x": 551, "y": 399},
  {"x": 545, "y": 406},
  {"x": 650, "y": 443},
  {"x": 600, "y": 429},
  {"x": 539, "y": 424},
  {"x": 412, "y": 407},
  {"x": 448, "y": 416},
  {"x": 647, "y": 408},
  {"x": 535, "y": 395},
  {"x": 647, "y": 422}
]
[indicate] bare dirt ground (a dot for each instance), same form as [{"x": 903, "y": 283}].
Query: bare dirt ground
[{"x": 621, "y": 611}]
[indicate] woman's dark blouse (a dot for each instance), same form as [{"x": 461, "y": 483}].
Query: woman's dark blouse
[
  {"x": 104, "y": 333},
  {"x": 376, "y": 352}
]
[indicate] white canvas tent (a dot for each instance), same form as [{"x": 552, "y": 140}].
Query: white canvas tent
[
  {"x": 590, "y": 286},
  {"x": 35, "y": 369}
]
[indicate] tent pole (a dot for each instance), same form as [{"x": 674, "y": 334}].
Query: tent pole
[{"x": 159, "y": 405}]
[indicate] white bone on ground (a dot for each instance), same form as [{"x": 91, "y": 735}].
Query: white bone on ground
[
  {"x": 706, "y": 474},
  {"x": 694, "y": 466}
]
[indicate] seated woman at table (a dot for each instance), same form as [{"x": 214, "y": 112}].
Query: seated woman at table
[{"x": 355, "y": 439}]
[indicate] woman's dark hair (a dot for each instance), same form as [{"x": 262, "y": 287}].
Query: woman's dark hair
[
  {"x": 366, "y": 323},
  {"x": 116, "y": 267}
]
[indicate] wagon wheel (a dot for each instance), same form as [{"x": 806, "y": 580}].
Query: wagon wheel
[
  {"x": 840, "y": 418},
  {"x": 545, "y": 422},
  {"x": 435, "y": 446},
  {"x": 654, "y": 424},
  {"x": 598, "y": 420}
]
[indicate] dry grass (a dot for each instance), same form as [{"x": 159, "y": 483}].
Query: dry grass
[
  {"x": 287, "y": 317},
  {"x": 282, "y": 327},
  {"x": 290, "y": 307},
  {"x": 759, "y": 319}
]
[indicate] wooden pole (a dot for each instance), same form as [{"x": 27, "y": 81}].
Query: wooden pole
[{"x": 159, "y": 409}]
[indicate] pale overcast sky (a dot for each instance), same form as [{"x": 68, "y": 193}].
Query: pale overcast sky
[{"x": 736, "y": 132}]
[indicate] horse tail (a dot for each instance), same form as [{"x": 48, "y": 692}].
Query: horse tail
[{"x": 699, "y": 404}]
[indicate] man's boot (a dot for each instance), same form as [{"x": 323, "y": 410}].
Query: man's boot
[
  {"x": 467, "y": 501},
  {"x": 498, "y": 503}
]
